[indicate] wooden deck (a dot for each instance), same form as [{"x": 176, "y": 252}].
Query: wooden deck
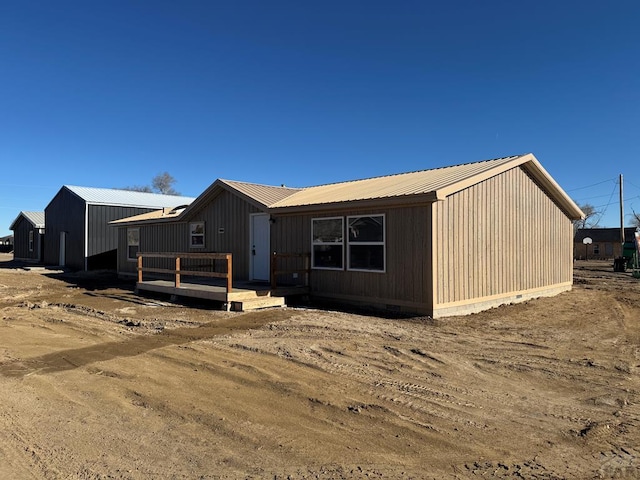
[
  {"x": 212, "y": 284},
  {"x": 244, "y": 296}
]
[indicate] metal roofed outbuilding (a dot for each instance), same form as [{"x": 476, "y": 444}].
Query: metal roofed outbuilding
[
  {"x": 28, "y": 236},
  {"x": 78, "y": 232}
]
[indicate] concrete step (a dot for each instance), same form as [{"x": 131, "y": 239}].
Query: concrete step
[{"x": 256, "y": 303}]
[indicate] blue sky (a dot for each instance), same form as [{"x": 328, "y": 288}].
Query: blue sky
[{"x": 110, "y": 93}]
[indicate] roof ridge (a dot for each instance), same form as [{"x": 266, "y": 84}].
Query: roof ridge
[
  {"x": 124, "y": 190},
  {"x": 225, "y": 180},
  {"x": 509, "y": 157}
]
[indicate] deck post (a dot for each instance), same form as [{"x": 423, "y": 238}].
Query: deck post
[
  {"x": 139, "y": 268},
  {"x": 177, "y": 271},
  {"x": 229, "y": 274},
  {"x": 274, "y": 265}
]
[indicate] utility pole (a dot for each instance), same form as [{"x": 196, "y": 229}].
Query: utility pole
[{"x": 621, "y": 214}]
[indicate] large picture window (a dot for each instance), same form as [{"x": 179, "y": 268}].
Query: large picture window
[
  {"x": 133, "y": 243},
  {"x": 196, "y": 235},
  {"x": 327, "y": 238},
  {"x": 366, "y": 243}
]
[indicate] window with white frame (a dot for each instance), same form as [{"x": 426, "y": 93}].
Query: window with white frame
[
  {"x": 31, "y": 240},
  {"x": 327, "y": 239},
  {"x": 366, "y": 243},
  {"x": 196, "y": 235},
  {"x": 133, "y": 243}
]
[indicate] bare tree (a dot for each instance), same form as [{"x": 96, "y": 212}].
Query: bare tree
[
  {"x": 139, "y": 188},
  {"x": 161, "y": 183},
  {"x": 635, "y": 219},
  {"x": 590, "y": 220}
]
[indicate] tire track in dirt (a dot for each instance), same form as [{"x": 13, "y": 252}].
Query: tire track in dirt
[
  {"x": 79, "y": 357},
  {"x": 22, "y": 456}
]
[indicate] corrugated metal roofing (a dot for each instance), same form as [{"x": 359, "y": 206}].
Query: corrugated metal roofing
[
  {"x": 404, "y": 184},
  {"x": 36, "y": 218},
  {"x": 163, "y": 214},
  {"x": 112, "y": 196},
  {"x": 438, "y": 183},
  {"x": 264, "y": 194}
]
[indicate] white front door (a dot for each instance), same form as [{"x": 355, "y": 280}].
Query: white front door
[{"x": 259, "y": 251}]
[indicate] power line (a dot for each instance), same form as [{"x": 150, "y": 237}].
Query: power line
[
  {"x": 631, "y": 183},
  {"x": 582, "y": 200},
  {"x": 593, "y": 185},
  {"x": 608, "y": 203}
]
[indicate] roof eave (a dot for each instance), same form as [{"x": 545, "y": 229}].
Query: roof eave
[
  {"x": 21, "y": 214},
  {"x": 212, "y": 191},
  {"x": 391, "y": 202},
  {"x": 560, "y": 196},
  {"x": 531, "y": 164},
  {"x": 256, "y": 203},
  {"x": 142, "y": 221}
]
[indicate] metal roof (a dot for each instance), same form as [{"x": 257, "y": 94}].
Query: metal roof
[
  {"x": 112, "y": 196},
  {"x": 404, "y": 184},
  {"x": 425, "y": 185},
  {"x": 163, "y": 214},
  {"x": 261, "y": 195},
  {"x": 419, "y": 186},
  {"x": 267, "y": 195},
  {"x": 35, "y": 218}
]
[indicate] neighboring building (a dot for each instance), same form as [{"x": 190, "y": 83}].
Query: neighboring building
[
  {"x": 439, "y": 242},
  {"x": 28, "y": 236},
  {"x": 605, "y": 243},
  {"x": 77, "y": 218},
  {"x": 6, "y": 244}
]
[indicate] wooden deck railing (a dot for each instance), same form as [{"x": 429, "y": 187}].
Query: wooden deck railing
[
  {"x": 178, "y": 271},
  {"x": 275, "y": 271}
]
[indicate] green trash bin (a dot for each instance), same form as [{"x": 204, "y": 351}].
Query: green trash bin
[{"x": 629, "y": 252}]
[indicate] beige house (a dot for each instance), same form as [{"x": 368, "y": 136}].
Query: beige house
[{"x": 439, "y": 242}]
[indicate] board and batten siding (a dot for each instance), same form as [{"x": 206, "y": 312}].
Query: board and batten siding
[
  {"x": 158, "y": 237},
  {"x": 227, "y": 229},
  {"x": 65, "y": 213},
  {"x": 406, "y": 283},
  {"x": 103, "y": 237},
  {"x": 21, "y": 241},
  {"x": 501, "y": 238}
]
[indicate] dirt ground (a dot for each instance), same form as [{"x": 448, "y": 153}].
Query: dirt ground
[{"x": 98, "y": 383}]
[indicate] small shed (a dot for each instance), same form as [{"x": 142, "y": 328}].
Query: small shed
[
  {"x": 77, "y": 218},
  {"x": 437, "y": 242},
  {"x": 28, "y": 236}
]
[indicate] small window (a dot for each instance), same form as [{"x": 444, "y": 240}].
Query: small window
[
  {"x": 133, "y": 243},
  {"x": 31, "y": 240},
  {"x": 596, "y": 249},
  {"x": 366, "y": 243},
  {"x": 327, "y": 243},
  {"x": 196, "y": 234}
]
